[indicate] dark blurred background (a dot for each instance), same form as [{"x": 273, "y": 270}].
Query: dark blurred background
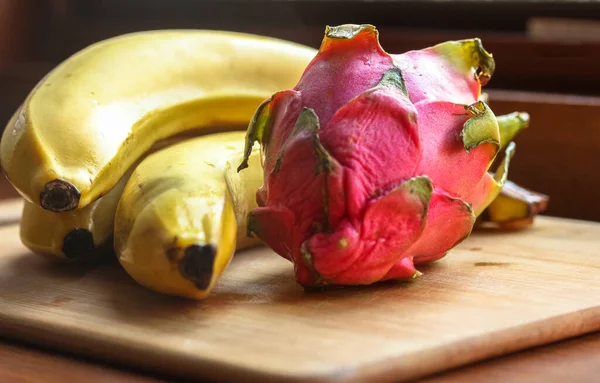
[{"x": 547, "y": 58}]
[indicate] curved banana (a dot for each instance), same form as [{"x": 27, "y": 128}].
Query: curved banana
[
  {"x": 182, "y": 213},
  {"x": 77, "y": 234},
  {"x": 91, "y": 117},
  {"x": 515, "y": 207}
]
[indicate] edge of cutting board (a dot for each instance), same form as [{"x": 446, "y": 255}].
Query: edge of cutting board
[{"x": 394, "y": 369}]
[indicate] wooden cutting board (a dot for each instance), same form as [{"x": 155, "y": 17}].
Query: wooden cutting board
[{"x": 496, "y": 293}]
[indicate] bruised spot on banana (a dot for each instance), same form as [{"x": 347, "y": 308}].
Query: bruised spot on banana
[
  {"x": 88, "y": 120},
  {"x": 182, "y": 214}
]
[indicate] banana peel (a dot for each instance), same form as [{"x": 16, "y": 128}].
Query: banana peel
[
  {"x": 182, "y": 214},
  {"x": 515, "y": 208},
  {"x": 83, "y": 234},
  {"x": 94, "y": 115}
]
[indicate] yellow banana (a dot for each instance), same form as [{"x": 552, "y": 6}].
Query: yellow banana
[
  {"x": 71, "y": 235},
  {"x": 182, "y": 213},
  {"x": 77, "y": 234},
  {"x": 514, "y": 207},
  {"x": 95, "y": 114}
]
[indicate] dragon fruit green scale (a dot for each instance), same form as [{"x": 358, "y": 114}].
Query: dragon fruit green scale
[{"x": 375, "y": 163}]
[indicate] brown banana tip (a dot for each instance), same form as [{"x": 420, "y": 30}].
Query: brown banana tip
[
  {"x": 59, "y": 195},
  {"x": 197, "y": 264},
  {"x": 78, "y": 243}
]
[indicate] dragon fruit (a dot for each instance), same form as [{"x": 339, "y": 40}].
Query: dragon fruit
[{"x": 375, "y": 163}]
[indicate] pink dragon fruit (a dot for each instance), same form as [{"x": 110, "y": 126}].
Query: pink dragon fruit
[{"x": 375, "y": 163}]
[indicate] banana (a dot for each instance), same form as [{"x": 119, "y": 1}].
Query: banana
[
  {"x": 183, "y": 214},
  {"x": 515, "y": 207},
  {"x": 95, "y": 114},
  {"x": 78, "y": 234},
  {"x": 71, "y": 235}
]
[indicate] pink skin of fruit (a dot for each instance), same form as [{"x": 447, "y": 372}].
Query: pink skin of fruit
[{"x": 374, "y": 162}]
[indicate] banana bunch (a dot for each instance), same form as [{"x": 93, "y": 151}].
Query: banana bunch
[
  {"x": 82, "y": 234},
  {"x": 132, "y": 145},
  {"x": 93, "y": 150},
  {"x": 99, "y": 111}
]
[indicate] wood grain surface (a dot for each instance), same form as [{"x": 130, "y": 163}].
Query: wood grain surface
[
  {"x": 575, "y": 360},
  {"x": 19, "y": 364},
  {"x": 496, "y": 293}
]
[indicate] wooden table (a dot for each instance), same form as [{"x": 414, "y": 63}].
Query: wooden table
[{"x": 576, "y": 360}]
